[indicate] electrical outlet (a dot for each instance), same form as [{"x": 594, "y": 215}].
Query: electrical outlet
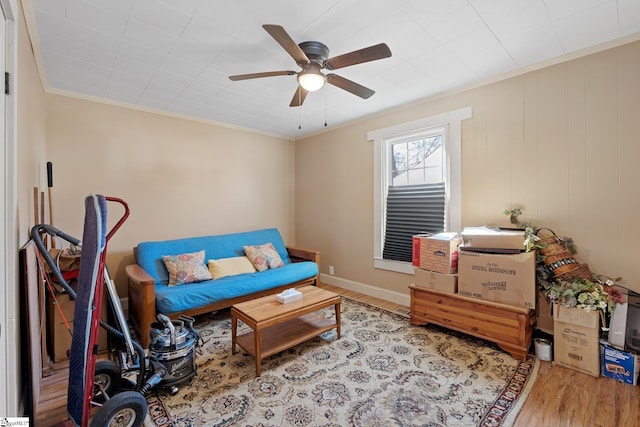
[{"x": 331, "y": 270}]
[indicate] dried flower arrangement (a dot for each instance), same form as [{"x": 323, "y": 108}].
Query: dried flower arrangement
[{"x": 577, "y": 287}]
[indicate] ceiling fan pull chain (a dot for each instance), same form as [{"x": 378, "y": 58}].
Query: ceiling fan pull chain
[
  {"x": 325, "y": 109},
  {"x": 299, "y": 111}
]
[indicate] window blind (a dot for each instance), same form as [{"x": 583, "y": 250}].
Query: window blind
[{"x": 411, "y": 209}]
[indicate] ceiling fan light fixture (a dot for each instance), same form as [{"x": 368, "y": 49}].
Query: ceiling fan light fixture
[
  {"x": 313, "y": 57},
  {"x": 311, "y": 79}
]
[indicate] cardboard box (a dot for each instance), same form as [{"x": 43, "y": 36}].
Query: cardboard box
[
  {"x": 493, "y": 238},
  {"x": 544, "y": 313},
  {"x": 619, "y": 365},
  {"x": 437, "y": 281},
  {"x": 576, "y": 339},
  {"x": 505, "y": 278},
  {"x": 437, "y": 252},
  {"x": 58, "y": 336}
]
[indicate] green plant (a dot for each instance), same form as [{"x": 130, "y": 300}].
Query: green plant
[{"x": 530, "y": 237}]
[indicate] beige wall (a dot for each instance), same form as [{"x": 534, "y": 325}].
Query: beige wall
[
  {"x": 180, "y": 178},
  {"x": 30, "y": 148},
  {"x": 561, "y": 143},
  {"x": 30, "y": 133}
]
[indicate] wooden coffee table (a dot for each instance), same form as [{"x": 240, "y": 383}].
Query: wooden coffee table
[{"x": 277, "y": 327}]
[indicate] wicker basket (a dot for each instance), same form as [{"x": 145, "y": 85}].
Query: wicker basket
[
  {"x": 552, "y": 245},
  {"x": 577, "y": 271},
  {"x": 559, "y": 259},
  {"x": 560, "y": 264}
]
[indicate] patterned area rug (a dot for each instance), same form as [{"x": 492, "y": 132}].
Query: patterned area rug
[{"x": 381, "y": 372}]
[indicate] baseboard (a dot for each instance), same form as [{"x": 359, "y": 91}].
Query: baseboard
[{"x": 363, "y": 288}]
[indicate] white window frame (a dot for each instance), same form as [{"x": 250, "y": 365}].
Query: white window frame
[{"x": 452, "y": 123}]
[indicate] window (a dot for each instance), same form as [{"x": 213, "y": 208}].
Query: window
[
  {"x": 417, "y": 184},
  {"x": 416, "y": 190}
]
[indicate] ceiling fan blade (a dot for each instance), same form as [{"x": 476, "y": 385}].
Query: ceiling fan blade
[
  {"x": 258, "y": 75},
  {"x": 366, "y": 54},
  {"x": 298, "y": 97},
  {"x": 350, "y": 86},
  {"x": 285, "y": 40}
]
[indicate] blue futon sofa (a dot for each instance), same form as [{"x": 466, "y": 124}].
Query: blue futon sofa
[{"x": 148, "y": 278}]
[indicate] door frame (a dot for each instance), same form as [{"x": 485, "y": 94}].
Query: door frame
[{"x": 12, "y": 402}]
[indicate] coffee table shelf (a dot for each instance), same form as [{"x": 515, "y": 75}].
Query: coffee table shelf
[{"x": 286, "y": 335}]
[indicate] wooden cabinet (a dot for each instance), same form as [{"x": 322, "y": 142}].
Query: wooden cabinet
[{"x": 508, "y": 326}]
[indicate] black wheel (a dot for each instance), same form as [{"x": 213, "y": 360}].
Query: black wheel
[
  {"x": 126, "y": 409},
  {"x": 106, "y": 380}
]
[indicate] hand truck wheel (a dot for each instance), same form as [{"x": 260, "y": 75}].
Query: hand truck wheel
[
  {"x": 126, "y": 409},
  {"x": 106, "y": 380}
]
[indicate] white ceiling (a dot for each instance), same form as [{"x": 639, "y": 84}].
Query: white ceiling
[{"x": 176, "y": 55}]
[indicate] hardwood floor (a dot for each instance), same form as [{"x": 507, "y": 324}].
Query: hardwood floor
[
  {"x": 53, "y": 396},
  {"x": 560, "y": 397}
]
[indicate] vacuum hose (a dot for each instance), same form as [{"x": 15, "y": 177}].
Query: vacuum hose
[
  {"x": 154, "y": 379},
  {"x": 172, "y": 329}
]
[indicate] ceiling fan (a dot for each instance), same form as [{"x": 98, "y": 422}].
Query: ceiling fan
[{"x": 312, "y": 57}]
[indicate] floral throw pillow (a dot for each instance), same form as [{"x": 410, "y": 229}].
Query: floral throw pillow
[
  {"x": 264, "y": 256},
  {"x": 186, "y": 268}
]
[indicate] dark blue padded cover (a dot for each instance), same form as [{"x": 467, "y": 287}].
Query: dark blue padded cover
[{"x": 93, "y": 243}]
